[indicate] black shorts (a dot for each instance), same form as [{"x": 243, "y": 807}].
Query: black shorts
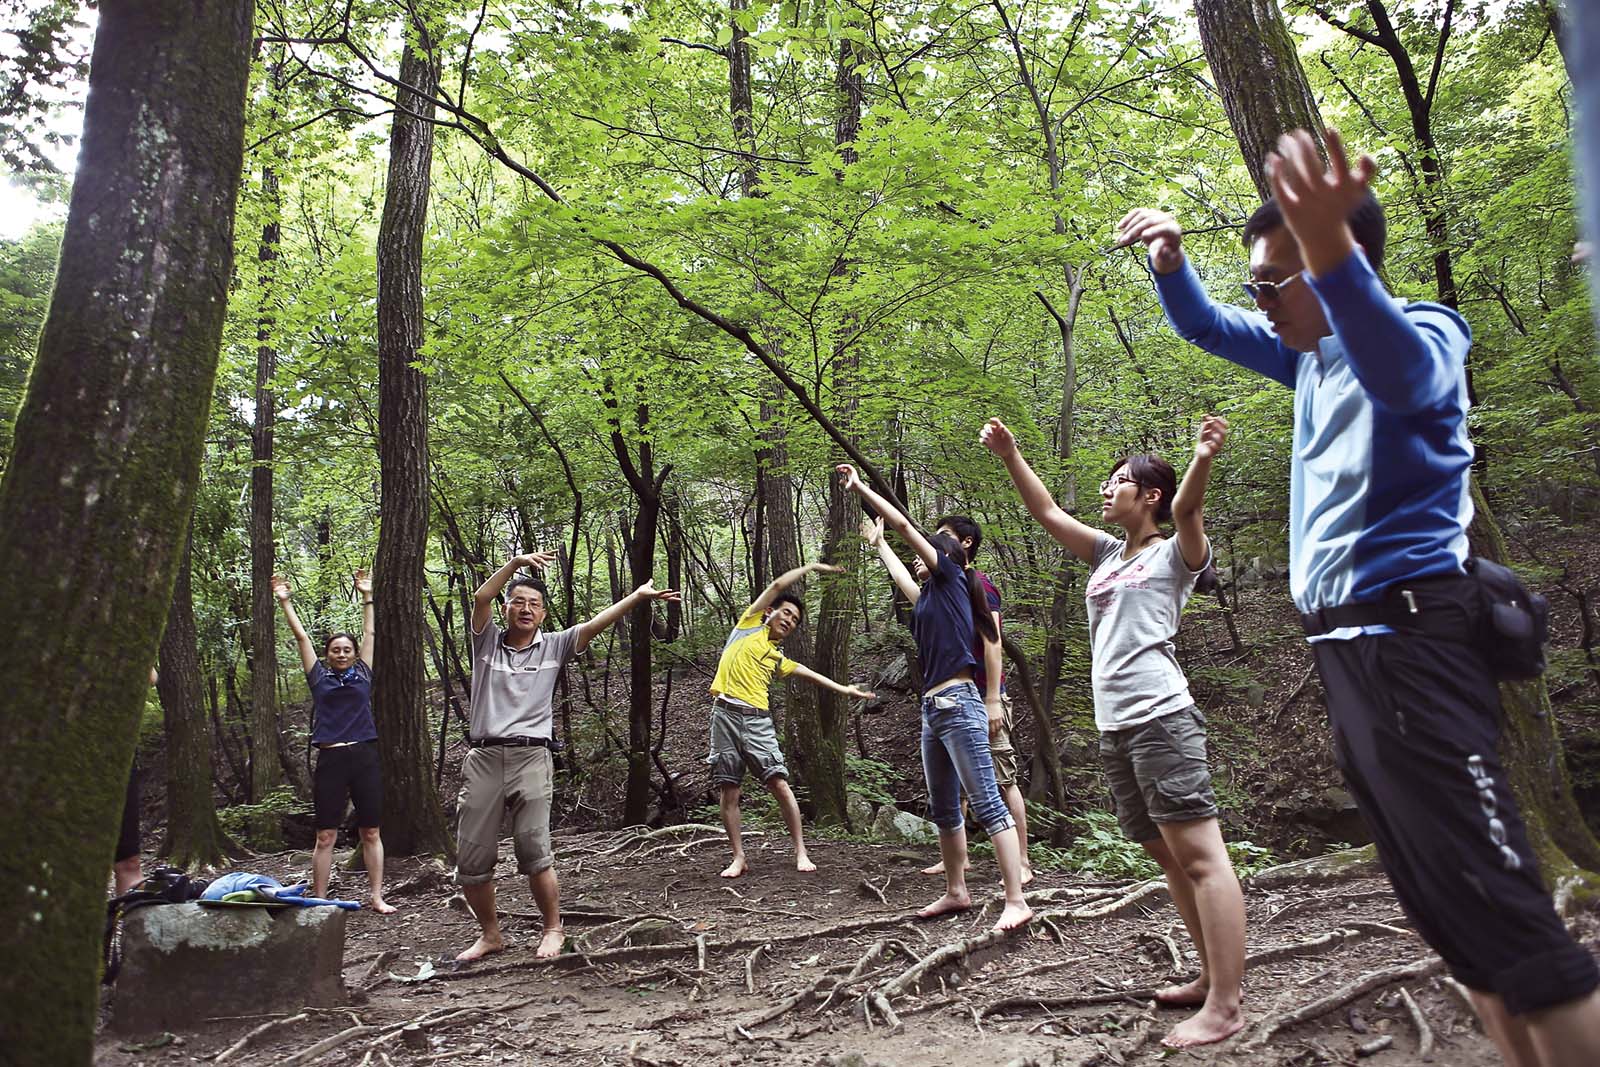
[
  {"x": 349, "y": 772},
  {"x": 128, "y": 839},
  {"x": 1416, "y": 727}
]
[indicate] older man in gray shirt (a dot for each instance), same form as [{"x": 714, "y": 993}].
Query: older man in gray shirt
[{"x": 509, "y": 768}]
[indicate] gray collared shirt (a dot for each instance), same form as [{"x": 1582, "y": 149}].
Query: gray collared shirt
[{"x": 513, "y": 689}]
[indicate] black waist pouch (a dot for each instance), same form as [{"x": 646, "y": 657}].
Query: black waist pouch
[{"x": 1515, "y": 622}]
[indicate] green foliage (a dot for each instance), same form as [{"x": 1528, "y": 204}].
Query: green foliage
[
  {"x": 1101, "y": 850},
  {"x": 244, "y": 821},
  {"x": 870, "y": 778}
]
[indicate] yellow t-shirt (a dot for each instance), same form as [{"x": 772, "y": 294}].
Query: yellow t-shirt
[{"x": 748, "y": 660}]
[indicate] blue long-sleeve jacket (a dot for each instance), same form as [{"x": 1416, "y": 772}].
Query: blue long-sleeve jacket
[{"x": 1378, "y": 490}]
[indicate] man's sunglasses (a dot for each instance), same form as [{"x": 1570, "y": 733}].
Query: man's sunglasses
[{"x": 1269, "y": 293}]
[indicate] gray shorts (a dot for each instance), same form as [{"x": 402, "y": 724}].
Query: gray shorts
[
  {"x": 743, "y": 738},
  {"x": 1157, "y": 772},
  {"x": 494, "y": 781}
]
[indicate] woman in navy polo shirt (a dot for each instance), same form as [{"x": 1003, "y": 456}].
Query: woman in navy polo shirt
[
  {"x": 346, "y": 739},
  {"x": 950, "y": 613}
]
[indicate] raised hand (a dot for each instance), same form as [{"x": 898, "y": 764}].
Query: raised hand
[
  {"x": 363, "y": 578},
  {"x": 848, "y": 478},
  {"x": 1213, "y": 431},
  {"x": 997, "y": 437},
  {"x": 871, "y": 530},
  {"x": 855, "y": 692},
  {"x": 280, "y": 587},
  {"x": 536, "y": 560},
  {"x": 1317, "y": 200},
  {"x": 1159, "y": 232},
  {"x": 649, "y": 591}
]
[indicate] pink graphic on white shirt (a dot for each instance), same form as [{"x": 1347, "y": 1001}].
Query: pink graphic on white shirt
[{"x": 1105, "y": 584}]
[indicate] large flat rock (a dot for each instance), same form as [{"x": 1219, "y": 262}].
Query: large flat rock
[{"x": 183, "y": 963}]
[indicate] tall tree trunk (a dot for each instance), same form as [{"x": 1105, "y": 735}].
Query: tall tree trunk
[
  {"x": 193, "y": 838},
  {"x": 265, "y": 771},
  {"x": 96, "y": 501},
  {"x": 1258, "y": 72},
  {"x": 1531, "y": 747},
  {"x": 413, "y": 818}
]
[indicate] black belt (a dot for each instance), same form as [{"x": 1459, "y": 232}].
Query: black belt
[
  {"x": 514, "y": 742},
  {"x": 1412, "y": 605},
  {"x": 742, "y": 709}
]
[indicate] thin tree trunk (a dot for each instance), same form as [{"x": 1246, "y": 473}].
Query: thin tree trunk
[
  {"x": 413, "y": 818},
  {"x": 96, "y": 500},
  {"x": 193, "y": 837}
]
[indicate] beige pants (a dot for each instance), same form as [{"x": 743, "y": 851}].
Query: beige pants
[{"x": 494, "y": 781}]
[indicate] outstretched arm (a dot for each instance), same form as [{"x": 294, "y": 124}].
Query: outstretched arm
[
  {"x": 788, "y": 578},
  {"x": 1074, "y": 535},
  {"x": 1187, "y": 512},
  {"x": 872, "y": 534},
  {"x": 588, "y": 631},
  {"x": 892, "y": 515},
  {"x": 364, "y": 588},
  {"x": 484, "y": 596},
  {"x": 308, "y": 651},
  {"x": 855, "y": 691}
]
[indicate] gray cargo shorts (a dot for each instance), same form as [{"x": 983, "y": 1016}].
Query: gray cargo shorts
[
  {"x": 1157, "y": 772},
  {"x": 743, "y": 738}
]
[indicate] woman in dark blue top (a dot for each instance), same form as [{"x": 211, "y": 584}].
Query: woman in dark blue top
[
  {"x": 950, "y": 613},
  {"x": 346, "y": 739}
]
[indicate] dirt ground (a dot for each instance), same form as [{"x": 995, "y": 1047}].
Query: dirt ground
[{"x": 665, "y": 955}]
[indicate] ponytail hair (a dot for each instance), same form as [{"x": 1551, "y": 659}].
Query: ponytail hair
[{"x": 982, "y": 620}]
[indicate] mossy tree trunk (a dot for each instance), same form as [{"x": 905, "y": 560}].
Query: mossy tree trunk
[
  {"x": 1258, "y": 74},
  {"x": 413, "y": 816},
  {"x": 193, "y": 837},
  {"x": 1530, "y": 746},
  {"x": 96, "y": 501}
]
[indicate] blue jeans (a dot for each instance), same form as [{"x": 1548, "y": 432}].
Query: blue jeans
[{"x": 956, "y": 757}]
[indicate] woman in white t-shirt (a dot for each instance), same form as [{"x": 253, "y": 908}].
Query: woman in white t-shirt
[{"x": 1152, "y": 737}]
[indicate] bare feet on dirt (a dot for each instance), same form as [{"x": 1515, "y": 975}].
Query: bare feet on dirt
[
  {"x": 484, "y": 946},
  {"x": 1205, "y": 1027},
  {"x": 1190, "y": 995},
  {"x": 1013, "y": 916},
  {"x": 381, "y": 906},
  {"x": 803, "y": 864},
  {"x": 947, "y": 904},
  {"x": 735, "y": 869},
  {"x": 938, "y": 868},
  {"x": 551, "y": 943}
]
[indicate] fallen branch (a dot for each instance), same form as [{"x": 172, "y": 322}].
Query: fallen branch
[
  {"x": 875, "y": 891},
  {"x": 1342, "y": 996},
  {"x": 244, "y": 1041},
  {"x": 1424, "y": 1031}
]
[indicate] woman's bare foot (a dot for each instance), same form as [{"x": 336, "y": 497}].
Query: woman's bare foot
[
  {"x": 1013, "y": 916},
  {"x": 484, "y": 946},
  {"x": 803, "y": 864},
  {"x": 736, "y": 868},
  {"x": 551, "y": 943},
  {"x": 381, "y": 906},
  {"x": 938, "y": 868},
  {"x": 1205, "y": 1027},
  {"x": 1190, "y": 995},
  {"x": 1027, "y": 874},
  {"x": 947, "y": 904}
]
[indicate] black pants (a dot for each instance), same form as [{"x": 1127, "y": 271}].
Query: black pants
[
  {"x": 1416, "y": 726},
  {"x": 348, "y": 772}
]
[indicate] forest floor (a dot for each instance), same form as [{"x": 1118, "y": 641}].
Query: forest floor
[{"x": 670, "y": 965}]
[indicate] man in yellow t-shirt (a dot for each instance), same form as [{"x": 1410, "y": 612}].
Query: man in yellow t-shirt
[{"x": 742, "y": 733}]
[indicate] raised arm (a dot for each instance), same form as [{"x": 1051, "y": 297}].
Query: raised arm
[
  {"x": 364, "y": 589},
  {"x": 1076, "y": 537},
  {"x": 892, "y": 516},
  {"x": 872, "y": 534},
  {"x": 483, "y": 597},
  {"x": 855, "y": 691},
  {"x": 308, "y": 651},
  {"x": 591, "y": 629},
  {"x": 1223, "y": 330},
  {"x": 1187, "y": 510},
  {"x": 788, "y": 578}
]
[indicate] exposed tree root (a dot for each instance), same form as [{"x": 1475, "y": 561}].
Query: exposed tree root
[
  {"x": 1150, "y": 893},
  {"x": 750, "y": 966},
  {"x": 243, "y": 1042},
  {"x": 1420, "y": 1021},
  {"x": 1132, "y": 996},
  {"x": 1271, "y": 1025}
]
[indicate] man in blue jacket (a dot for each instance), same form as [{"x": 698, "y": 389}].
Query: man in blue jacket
[{"x": 1379, "y": 507}]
